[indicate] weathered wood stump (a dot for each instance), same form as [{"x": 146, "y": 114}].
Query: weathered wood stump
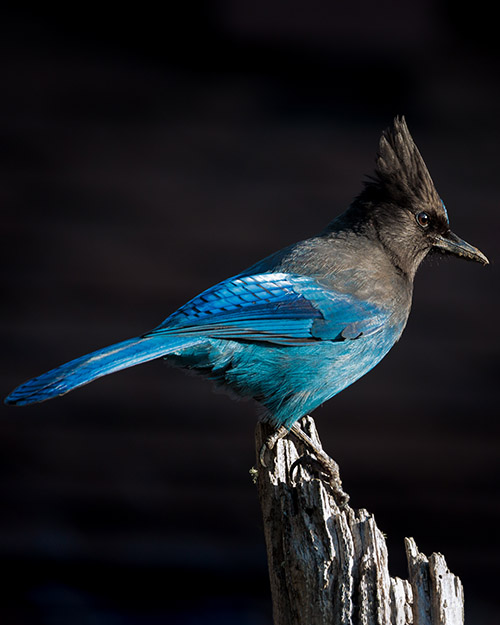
[{"x": 329, "y": 565}]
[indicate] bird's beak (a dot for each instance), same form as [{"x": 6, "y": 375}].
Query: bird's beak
[{"x": 455, "y": 245}]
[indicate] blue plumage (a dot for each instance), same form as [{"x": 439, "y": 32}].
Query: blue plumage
[
  {"x": 301, "y": 325},
  {"x": 275, "y": 337},
  {"x": 282, "y": 339},
  {"x": 90, "y": 367}
]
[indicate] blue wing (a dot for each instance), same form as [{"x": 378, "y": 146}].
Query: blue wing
[
  {"x": 276, "y": 308},
  {"x": 280, "y": 308}
]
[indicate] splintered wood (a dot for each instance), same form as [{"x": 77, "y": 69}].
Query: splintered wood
[{"x": 328, "y": 566}]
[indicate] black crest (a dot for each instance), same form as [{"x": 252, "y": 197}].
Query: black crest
[{"x": 401, "y": 175}]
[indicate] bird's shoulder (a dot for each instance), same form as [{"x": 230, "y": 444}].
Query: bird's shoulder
[
  {"x": 276, "y": 307},
  {"x": 344, "y": 262}
]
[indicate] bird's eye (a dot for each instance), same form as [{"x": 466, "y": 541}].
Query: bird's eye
[{"x": 423, "y": 219}]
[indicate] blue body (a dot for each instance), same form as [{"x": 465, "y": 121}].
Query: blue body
[
  {"x": 295, "y": 329},
  {"x": 282, "y": 338}
]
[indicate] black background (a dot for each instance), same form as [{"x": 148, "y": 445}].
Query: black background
[{"x": 146, "y": 155}]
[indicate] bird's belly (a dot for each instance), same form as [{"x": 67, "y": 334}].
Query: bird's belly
[{"x": 290, "y": 381}]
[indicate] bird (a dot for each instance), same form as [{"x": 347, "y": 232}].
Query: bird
[{"x": 301, "y": 325}]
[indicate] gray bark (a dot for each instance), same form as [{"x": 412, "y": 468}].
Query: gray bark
[{"x": 329, "y": 565}]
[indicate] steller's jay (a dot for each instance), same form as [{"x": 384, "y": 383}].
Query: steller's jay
[{"x": 299, "y": 326}]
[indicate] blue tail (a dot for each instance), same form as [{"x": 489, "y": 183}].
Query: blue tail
[{"x": 87, "y": 368}]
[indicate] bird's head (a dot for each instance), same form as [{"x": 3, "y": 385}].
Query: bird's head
[{"x": 402, "y": 207}]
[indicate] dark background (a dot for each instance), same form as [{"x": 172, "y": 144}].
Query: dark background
[{"x": 146, "y": 156}]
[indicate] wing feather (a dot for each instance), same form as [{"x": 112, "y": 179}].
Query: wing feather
[{"x": 285, "y": 309}]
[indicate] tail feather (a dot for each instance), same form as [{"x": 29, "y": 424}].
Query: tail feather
[{"x": 83, "y": 370}]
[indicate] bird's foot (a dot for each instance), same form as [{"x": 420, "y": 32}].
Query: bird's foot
[
  {"x": 328, "y": 468},
  {"x": 321, "y": 463}
]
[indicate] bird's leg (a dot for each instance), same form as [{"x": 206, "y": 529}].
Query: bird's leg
[
  {"x": 323, "y": 461},
  {"x": 328, "y": 463},
  {"x": 270, "y": 442}
]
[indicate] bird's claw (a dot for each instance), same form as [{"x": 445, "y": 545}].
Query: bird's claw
[
  {"x": 329, "y": 468},
  {"x": 320, "y": 462}
]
